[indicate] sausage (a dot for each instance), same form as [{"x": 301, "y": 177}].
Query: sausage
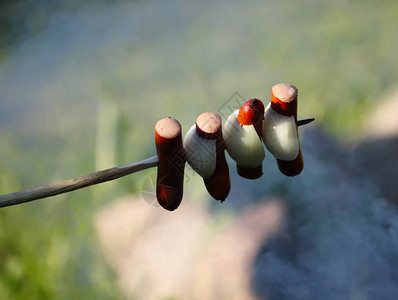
[
  {"x": 243, "y": 133},
  {"x": 280, "y": 134},
  {"x": 171, "y": 155},
  {"x": 204, "y": 147}
]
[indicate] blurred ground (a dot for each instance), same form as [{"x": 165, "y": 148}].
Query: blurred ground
[
  {"x": 376, "y": 155},
  {"x": 275, "y": 249},
  {"x": 184, "y": 255}
]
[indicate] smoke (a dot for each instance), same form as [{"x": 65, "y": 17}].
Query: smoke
[
  {"x": 62, "y": 67},
  {"x": 54, "y": 80},
  {"x": 340, "y": 238},
  {"x": 173, "y": 58},
  {"x": 160, "y": 56},
  {"x": 150, "y": 59}
]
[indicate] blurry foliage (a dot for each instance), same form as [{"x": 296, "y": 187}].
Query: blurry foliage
[
  {"x": 22, "y": 18},
  {"x": 47, "y": 248},
  {"x": 340, "y": 54}
]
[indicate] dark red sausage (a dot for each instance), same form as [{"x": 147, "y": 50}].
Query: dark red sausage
[{"x": 171, "y": 155}]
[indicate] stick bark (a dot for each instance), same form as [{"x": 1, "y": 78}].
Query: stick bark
[{"x": 76, "y": 183}]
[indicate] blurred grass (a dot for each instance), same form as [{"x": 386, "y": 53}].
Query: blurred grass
[{"x": 64, "y": 68}]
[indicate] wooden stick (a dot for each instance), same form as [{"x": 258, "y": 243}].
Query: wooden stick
[
  {"x": 76, "y": 183},
  {"x": 85, "y": 181},
  {"x": 305, "y": 121}
]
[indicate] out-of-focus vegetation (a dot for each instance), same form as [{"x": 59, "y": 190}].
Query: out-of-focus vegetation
[
  {"x": 20, "y": 19},
  {"x": 82, "y": 85}
]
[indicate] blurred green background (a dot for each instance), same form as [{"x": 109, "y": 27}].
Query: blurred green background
[{"x": 81, "y": 86}]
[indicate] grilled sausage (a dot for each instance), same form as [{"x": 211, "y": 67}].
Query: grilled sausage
[
  {"x": 242, "y": 134},
  {"x": 171, "y": 155},
  {"x": 280, "y": 133},
  {"x": 204, "y": 147}
]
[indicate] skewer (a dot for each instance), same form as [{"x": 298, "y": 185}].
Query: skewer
[
  {"x": 86, "y": 180},
  {"x": 76, "y": 183},
  {"x": 305, "y": 121}
]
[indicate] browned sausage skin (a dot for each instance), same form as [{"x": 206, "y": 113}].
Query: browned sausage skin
[{"x": 170, "y": 177}]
